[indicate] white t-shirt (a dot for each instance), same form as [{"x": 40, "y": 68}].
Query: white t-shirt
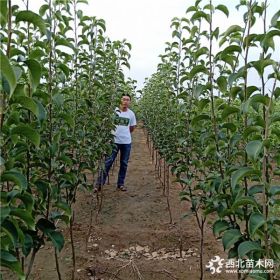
[{"x": 124, "y": 120}]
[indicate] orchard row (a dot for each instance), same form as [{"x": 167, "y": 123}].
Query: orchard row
[
  {"x": 61, "y": 77},
  {"x": 212, "y": 110}
]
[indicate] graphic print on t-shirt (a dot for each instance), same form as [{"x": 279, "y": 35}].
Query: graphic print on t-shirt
[{"x": 121, "y": 121}]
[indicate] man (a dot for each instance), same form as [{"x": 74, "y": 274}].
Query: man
[{"x": 126, "y": 122}]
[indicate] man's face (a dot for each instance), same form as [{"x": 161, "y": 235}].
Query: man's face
[{"x": 125, "y": 101}]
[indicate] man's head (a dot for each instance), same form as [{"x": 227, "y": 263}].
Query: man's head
[{"x": 125, "y": 100}]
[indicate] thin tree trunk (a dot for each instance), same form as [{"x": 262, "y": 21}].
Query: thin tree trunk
[
  {"x": 57, "y": 264},
  {"x": 73, "y": 247}
]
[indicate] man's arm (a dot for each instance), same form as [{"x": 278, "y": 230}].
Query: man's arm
[{"x": 131, "y": 128}]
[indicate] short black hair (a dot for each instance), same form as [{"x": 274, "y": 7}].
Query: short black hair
[{"x": 126, "y": 94}]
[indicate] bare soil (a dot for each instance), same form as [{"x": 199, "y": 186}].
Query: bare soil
[{"x": 131, "y": 237}]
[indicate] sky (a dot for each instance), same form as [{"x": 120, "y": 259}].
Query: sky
[{"x": 146, "y": 25}]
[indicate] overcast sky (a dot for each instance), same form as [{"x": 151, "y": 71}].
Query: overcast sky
[{"x": 146, "y": 25}]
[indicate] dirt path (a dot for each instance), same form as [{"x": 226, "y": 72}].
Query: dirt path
[{"x": 132, "y": 237}]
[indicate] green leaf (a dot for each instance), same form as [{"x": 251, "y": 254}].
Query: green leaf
[
  {"x": 16, "y": 52},
  {"x": 215, "y": 33},
  {"x": 27, "y": 199},
  {"x": 177, "y": 34},
  {"x": 199, "y": 15},
  {"x": 222, "y": 84},
  {"x": 198, "y": 69},
  {"x": 184, "y": 78},
  {"x": 191, "y": 9},
  {"x": 102, "y": 24},
  {"x": 35, "y": 72},
  {"x": 229, "y": 110},
  {"x": 82, "y": 1},
  {"x": 58, "y": 99},
  {"x": 268, "y": 41},
  {"x": 200, "y": 52},
  {"x": 57, "y": 239},
  {"x": 255, "y": 189},
  {"x": 231, "y": 49},
  {"x": 245, "y": 107},
  {"x": 11, "y": 231},
  {"x": 261, "y": 64},
  {"x": 64, "y": 42},
  {"x": 4, "y": 213},
  {"x": 43, "y": 187},
  {"x": 42, "y": 114},
  {"x": 231, "y": 126},
  {"x": 3, "y": 12},
  {"x": 251, "y": 129},
  {"x": 274, "y": 190},
  {"x": 259, "y": 121},
  {"x": 8, "y": 72},
  {"x": 19, "y": 90},
  {"x": 10, "y": 261},
  {"x": 12, "y": 194},
  {"x": 64, "y": 206},
  {"x": 64, "y": 68},
  {"x": 232, "y": 253},
  {"x": 199, "y": 118},
  {"x": 27, "y": 245},
  {"x": 276, "y": 249},
  {"x": 275, "y": 18},
  {"x": 233, "y": 29},
  {"x": 68, "y": 119},
  {"x": 27, "y": 103},
  {"x": 276, "y": 92},
  {"x": 128, "y": 45},
  {"x": 220, "y": 226},
  {"x": 251, "y": 90},
  {"x": 32, "y": 17},
  {"x": 275, "y": 131},
  {"x": 16, "y": 177},
  {"x": 43, "y": 9},
  {"x": 202, "y": 103},
  {"x": 253, "y": 149},
  {"x": 223, "y": 9},
  {"x": 255, "y": 222},
  {"x": 25, "y": 130},
  {"x": 7, "y": 256},
  {"x": 235, "y": 91},
  {"x": 230, "y": 237},
  {"x": 241, "y": 173},
  {"x": 45, "y": 225},
  {"x": 244, "y": 201},
  {"x": 248, "y": 246},
  {"x": 208, "y": 7},
  {"x": 235, "y": 76},
  {"x": 197, "y": 90},
  {"x": 275, "y": 118},
  {"x": 36, "y": 54},
  {"x": 227, "y": 58},
  {"x": 24, "y": 216}
]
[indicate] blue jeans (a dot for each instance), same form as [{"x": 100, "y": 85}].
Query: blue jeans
[{"x": 125, "y": 152}]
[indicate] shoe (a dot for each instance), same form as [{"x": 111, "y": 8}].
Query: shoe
[{"x": 122, "y": 188}]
